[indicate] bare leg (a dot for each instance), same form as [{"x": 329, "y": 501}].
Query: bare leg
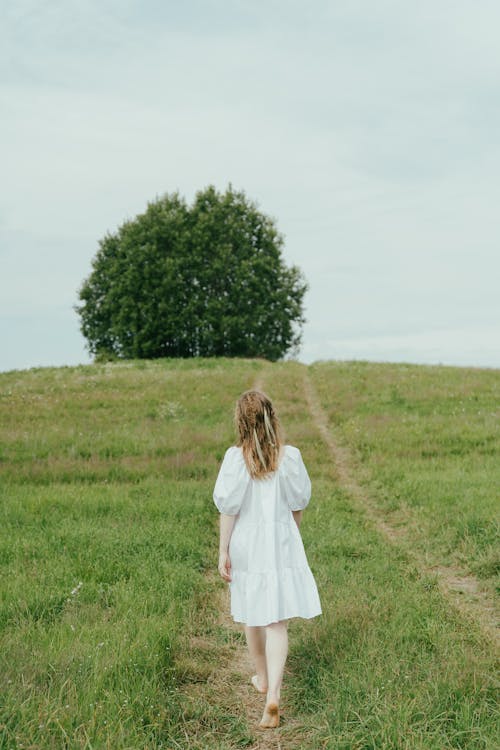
[
  {"x": 276, "y": 653},
  {"x": 256, "y": 642}
]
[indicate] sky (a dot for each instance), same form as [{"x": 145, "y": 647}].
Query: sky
[{"x": 369, "y": 131}]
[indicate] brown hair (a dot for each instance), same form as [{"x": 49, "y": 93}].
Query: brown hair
[{"x": 259, "y": 433}]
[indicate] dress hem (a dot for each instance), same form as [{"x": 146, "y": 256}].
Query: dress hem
[{"x": 270, "y": 622}]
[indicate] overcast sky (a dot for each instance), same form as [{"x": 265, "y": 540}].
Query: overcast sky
[{"x": 369, "y": 130}]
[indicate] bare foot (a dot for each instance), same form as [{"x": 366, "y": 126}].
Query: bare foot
[
  {"x": 270, "y": 717},
  {"x": 255, "y": 683}
]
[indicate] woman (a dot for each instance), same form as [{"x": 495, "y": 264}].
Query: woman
[{"x": 261, "y": 490}]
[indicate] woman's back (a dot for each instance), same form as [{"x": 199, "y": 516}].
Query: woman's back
[
  {"x": 271, "y": 579},
  {"x": 268, "y": 499}
]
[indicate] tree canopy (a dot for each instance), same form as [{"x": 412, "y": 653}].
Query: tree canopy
[{"x": 207, "y": 279}]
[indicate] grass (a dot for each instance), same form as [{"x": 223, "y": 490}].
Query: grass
[
  {"x": 108, "y": 545},
  {"x": 428, "y": 442}
]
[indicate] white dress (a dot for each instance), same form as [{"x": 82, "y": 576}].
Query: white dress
[{"x": 271, "y": 579}]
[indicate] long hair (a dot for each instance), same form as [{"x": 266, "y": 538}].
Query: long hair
[{"x": 259, "y": 433}]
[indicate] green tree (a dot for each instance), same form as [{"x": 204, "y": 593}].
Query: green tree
[{"x": 184, "y": 281}]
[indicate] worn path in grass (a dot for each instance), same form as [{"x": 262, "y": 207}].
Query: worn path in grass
[
  {"x": 229, "y": 683},
  {"x": 460, "y": 588},
  {"x": 242, "y": 668},
  {"x": 228, "y": 687}
]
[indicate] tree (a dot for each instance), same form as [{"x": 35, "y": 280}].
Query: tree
[{"x": 186, "y": 281}]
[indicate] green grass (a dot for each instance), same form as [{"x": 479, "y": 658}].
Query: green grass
[
  {"x": 108, "y": 543},
  {"x": 428, "y": 440}
]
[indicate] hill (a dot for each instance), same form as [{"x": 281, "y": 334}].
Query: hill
[{"x": 113, "y": 623}]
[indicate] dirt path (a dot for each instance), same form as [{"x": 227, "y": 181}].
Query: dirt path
[
  {"x": 238, "y": 672},
  {"x": 229, "y": 682},
  {"x": 228, "y": 688},
  {"x": 242, "y": 669},
  {"x": 461, "y": 589}
]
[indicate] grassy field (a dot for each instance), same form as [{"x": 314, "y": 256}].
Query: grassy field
[
  {"x": 110, "y": 631},
  {"x": 428, "y": 439}
]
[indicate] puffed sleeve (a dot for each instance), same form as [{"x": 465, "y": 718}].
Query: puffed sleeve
[
  {"x": 295, "y": 482},
  {"x": 232, "y": 482}
]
